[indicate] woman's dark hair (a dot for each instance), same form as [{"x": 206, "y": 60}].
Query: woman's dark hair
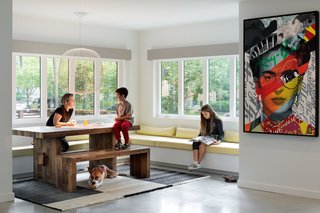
[
  {"x": 203, "y": 121},
  {"x": 122, "y": 91},
  {"x": 66, "y": 97}
]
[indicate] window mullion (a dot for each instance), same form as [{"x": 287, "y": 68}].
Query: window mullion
[
  {"x": 14, "y": 86},
  {"x": 72, "y": 75},
  {"x": 97, "y": 83},
  {"x": 122, "y": 73},
  {"x": 181, "y": 88},
  {"x": 232, "y": 87},
  {"x": 43, "y": 87},
  {"x": 157, "y": 89},
  {"x": 205, "y": 80}
]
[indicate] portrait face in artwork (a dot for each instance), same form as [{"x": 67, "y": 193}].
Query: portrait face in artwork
[{"x": 279, "y": 82}]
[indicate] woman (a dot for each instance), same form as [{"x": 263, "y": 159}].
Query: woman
[
  {"x": 61, "y": 116},
  {"x": 211, "y": 132}
]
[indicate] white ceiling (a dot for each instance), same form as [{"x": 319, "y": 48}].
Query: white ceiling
[{"x": 130, "y": 14}]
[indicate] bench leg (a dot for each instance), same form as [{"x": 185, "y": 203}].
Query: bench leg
[
  {"x": 103, "y": 141},
  {"x": 140, "y": 165},
  {"x": 69, "y": 175}
]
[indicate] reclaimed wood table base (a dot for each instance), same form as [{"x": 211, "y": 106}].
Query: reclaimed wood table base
[{"x": 47, "y": 147}]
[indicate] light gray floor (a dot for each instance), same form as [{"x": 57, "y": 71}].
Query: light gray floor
[{"x": 209, "y": 195}]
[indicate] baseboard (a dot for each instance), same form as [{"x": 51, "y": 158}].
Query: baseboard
[
  {"x": 279, "y": 189},
  {"x": 22, "y": 176},
  {"x": 6, "y": 197},
  {"x": 182, "y": 167}
]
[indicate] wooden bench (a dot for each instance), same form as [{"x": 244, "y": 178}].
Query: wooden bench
[{"x": 139, "y": 163}]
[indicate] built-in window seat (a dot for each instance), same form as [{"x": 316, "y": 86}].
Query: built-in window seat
[{"x": 172, "y": 145}]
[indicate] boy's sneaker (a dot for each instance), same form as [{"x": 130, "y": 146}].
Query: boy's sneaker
[
  {"x": 118, "y": 145},
  {"x": 193, "y": 166},
  {"x": 126, "y": 146}
]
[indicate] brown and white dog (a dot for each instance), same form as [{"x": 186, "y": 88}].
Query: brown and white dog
[{"x": 98, "y": 174}]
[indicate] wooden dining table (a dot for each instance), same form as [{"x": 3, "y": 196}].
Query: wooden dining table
[{"x": 47, "y": 146}]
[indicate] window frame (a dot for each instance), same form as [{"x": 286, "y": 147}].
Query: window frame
[
  {"x": 157, "y": 88},
  {"x": 43, "y": 85}
]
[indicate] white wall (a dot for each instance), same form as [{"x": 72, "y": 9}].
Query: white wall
[
  {"x": 284, "y": 164},
  {"x": 48, "y": 30},
  {"x": 180, "y": 36},
  {"x": 5, "y": 95}
]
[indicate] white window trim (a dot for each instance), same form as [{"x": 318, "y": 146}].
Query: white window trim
[
  {"x": 180, "y": 115},
  {"x": 180, "y": 88},
  {"x": 233, "y": 87},
  {"x": 157, "y": 89}
]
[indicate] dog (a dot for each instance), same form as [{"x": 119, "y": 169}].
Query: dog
[{"x": 99, "y": 173}]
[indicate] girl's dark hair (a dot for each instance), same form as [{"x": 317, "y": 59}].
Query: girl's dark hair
[
  {"x": 122, "y": 91},
  {"x": 203, "y": 121}
]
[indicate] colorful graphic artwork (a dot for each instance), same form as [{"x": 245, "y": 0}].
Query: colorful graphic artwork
[{"x": 281, "y": 74}]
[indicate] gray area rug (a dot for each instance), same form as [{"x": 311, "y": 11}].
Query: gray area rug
[
  {"x": 163, "y": 176},
  {"x": 44, "y": 193},
  {"x": 116, "y": 188}
]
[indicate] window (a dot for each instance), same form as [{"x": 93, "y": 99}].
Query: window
[
  {"x": 187, "y": 84},
  {"x": 57, "y": 82},
  {"x": 27, "y": 86},
  {"x": 219, "y": 85},
  {"x": 84, "y": 87},
  {"x": 169, "y": 87},
  {"x": 109, "y": 79},
  {"x": 193, "y": 95},
  {"x": 49, "y": 77}
]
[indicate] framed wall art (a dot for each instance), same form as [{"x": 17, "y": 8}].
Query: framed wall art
[{"x": 280, "y": 71}]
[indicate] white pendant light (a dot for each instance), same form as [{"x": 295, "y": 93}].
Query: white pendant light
[{"x": 81, "y": 52}]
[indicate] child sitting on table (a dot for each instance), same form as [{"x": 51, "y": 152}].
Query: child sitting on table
[{"x": 124, "y": 118}]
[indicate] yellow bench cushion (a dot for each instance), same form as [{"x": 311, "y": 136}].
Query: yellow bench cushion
[
  {"x": 157, "y": 131},
  {"x": 145, "y": 140},
  {"x": 180, "y": 143},
  {"x": 224, "y": 148},
  {"x": 77, "y": 137},
  {"x": 186, "y": 133},
  {"x": 231, "y": 136},
  {"x": 19, "y": 151}
]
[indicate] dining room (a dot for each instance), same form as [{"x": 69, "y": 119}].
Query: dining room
[{"x": 159, "y": 51}]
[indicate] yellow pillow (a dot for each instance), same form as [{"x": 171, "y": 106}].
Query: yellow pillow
[
  {"x": 186, "y": 133},
  {"x": 157, "y": 131},
  {"x": 77, "y": 137},
  {"x": 231, "y": 136}
]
